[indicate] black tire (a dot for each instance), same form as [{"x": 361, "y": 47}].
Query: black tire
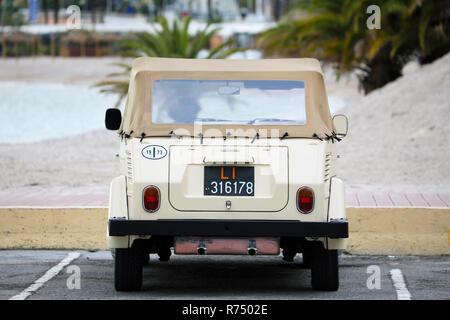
[
  {"x": 164, "y": 254},
  {"x": 324, "y": 269},
  {"x": 145, "y": 258},
  {"x": 289, "y": 255},
  {"x": 307, "y": 258},
  {"x": 128, "y": 269}
]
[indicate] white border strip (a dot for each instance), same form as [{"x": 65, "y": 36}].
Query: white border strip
[
  {"x": 399, "y": 285},
  {"x": 46, "y": 277},
  {"x": 396, "y": 207},
  {"x": 51, "y": 208},
  {"x": 40, "y": 207}
]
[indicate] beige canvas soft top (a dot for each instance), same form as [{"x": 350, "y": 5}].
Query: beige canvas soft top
[{"x": 138, "y": 112}]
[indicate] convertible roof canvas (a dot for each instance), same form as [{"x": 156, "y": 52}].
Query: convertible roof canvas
[{"x": 138, "y": 112}]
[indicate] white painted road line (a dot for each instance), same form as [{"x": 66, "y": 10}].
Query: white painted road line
[
  {"x": 400, "y": 285},
  {"x": 46, "y": 277}
]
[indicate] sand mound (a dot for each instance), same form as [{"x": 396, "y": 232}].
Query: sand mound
[
  {"x": 399, "y": 134},
  {"x": 83, "y": 161}
]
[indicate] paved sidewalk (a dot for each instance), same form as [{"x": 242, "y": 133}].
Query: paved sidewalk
[
  {"x": 398, "y": 199},
  {"x": 53, "y": 199},
  {"x": 100, "y": 199}
]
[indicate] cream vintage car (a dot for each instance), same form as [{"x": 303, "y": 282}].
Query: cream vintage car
[{"x": 227, "y": 157}]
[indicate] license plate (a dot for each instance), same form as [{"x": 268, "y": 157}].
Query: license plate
[{"x": 229, "y": 181}]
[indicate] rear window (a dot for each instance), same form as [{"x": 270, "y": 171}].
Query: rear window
[{"x": 244, "y": 102}]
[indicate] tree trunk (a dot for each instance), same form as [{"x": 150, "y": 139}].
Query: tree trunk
[
  {"x": 277, "y": 10},
  {"x": 210, "y": 11},
  {"x": 103, "y": 9},
  {"x": 56, "y": 10},
  {"x": 45, "y": 9},
  {"x": 92, "y": 7},
  {"x": 382, "y": 69},
  {"x": 1, "y": 13}
]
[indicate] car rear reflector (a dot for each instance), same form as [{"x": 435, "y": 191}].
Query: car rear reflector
[
  {"x": 151, "y": 198},
  {"x": 305, "y": 200}
]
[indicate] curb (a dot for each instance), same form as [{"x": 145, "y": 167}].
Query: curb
[
  {"x": 391, "y": 231},
  {"x": 53, "y": 228},
  {"x": 399, "y": 231}
]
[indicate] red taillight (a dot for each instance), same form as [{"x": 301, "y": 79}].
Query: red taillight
[
  {"x": 305, "y": 200},
  {"x": 151, "y": 198}
]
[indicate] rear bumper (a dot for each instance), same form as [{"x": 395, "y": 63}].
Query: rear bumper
[{"x": 241, "y": 228}]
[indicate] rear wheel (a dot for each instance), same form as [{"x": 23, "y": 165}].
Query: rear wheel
[
  {"x": 164, "y": 254},
  {"x": 307, "y": 257},
  {"x": 289, "y": 254},
  {"x": 324, "y": 269},
  {"x": 128, "y": 269},
  {"x": 145, "y": 258}
]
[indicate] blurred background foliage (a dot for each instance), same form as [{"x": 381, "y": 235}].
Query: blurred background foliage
[
  {"x": 11, "y": 12},
  {"x": 335, "y": 32},
  {"x": 174, "y": 41},
  {"x": 166, "y": 40}
]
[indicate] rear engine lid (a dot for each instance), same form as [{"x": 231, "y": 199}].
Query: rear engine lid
[{"x": 228, "y": 178}]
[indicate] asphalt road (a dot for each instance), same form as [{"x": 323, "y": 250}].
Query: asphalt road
[{"x": 220, "y": 277}]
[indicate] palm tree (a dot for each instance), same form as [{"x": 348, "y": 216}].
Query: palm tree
[
  {"x": 410, "y": 29},
  {"x": 335, "y": 32},
  {"x": 324, "y": 29},
  {"x": 166, "y": 41},
  {"x": 116, "y": 86},
  {"x": 423, "y": 25}
]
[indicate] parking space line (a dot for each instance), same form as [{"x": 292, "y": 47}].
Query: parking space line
[
  {"x": 400, "y": 285},
  {"x": 46, "y": 277}
]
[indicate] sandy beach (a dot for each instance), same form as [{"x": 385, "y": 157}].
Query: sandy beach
[
  {"x": 398, "y": 135},
  {"x": 80, "y": 70}
]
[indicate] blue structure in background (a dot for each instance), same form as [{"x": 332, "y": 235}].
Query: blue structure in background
[{"x": 33, "y": 6}]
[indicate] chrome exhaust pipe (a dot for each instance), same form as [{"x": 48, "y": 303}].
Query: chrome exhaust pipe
[
  {"x": 252, "y": 250},
  {"x": 201, "y": 249},
  {"x": 226, "y": 246}
]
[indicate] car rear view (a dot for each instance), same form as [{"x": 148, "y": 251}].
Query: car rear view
[{"x": 227, "y": 157}]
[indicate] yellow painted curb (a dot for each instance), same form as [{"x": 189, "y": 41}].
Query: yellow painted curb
[
  {"x": 394, "y": 231},
  {"x": 399, "y": 231},
  {"x": 53, "y": 228}
]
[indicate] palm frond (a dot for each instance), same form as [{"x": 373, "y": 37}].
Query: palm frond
[{"x": 166, "y": 40}]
